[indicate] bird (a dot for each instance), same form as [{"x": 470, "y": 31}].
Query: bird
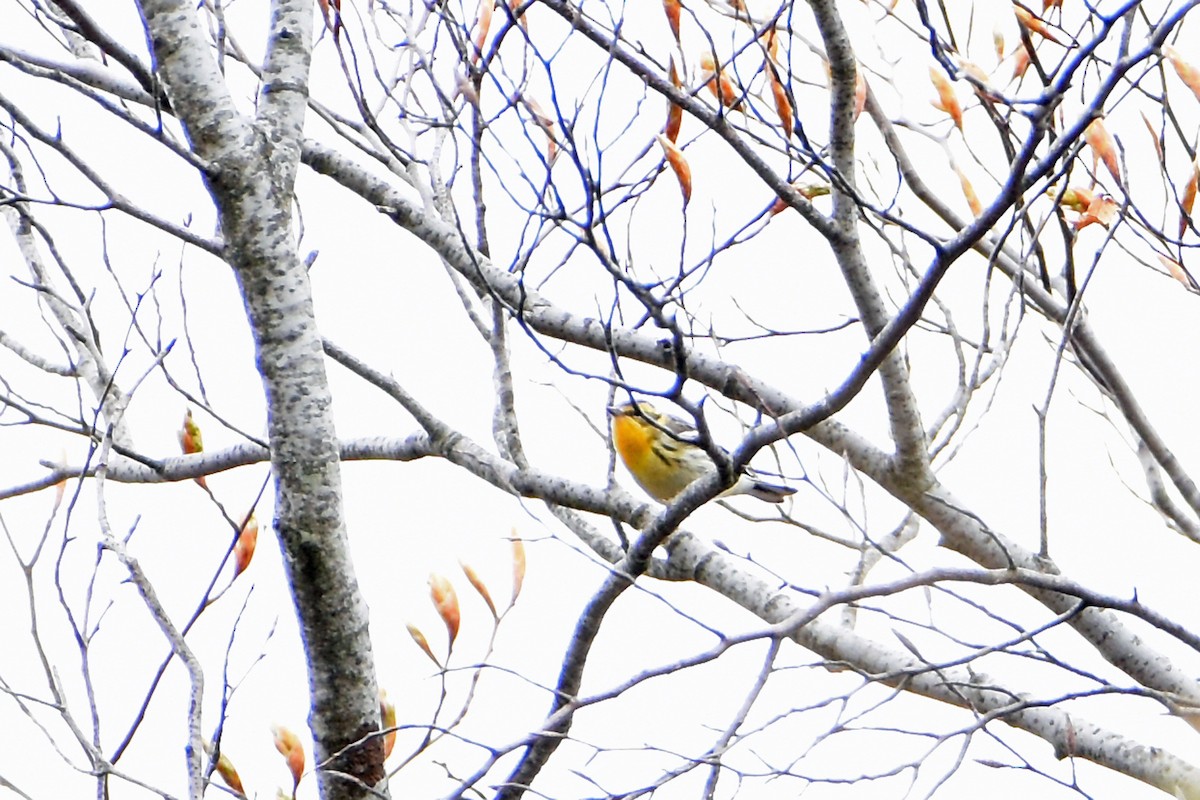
[{"x": 662, "y": 454}]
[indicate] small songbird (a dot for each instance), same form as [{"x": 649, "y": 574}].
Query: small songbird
[{"x": 661, "y": 453}]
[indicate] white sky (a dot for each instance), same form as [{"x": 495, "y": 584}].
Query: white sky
[{"x": 383, "y": 297}]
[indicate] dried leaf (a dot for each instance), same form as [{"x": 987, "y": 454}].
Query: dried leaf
[
  {"x": 1021, "y": 61},
  {"x": 860, "y": 89},
  {"x": 981, "y": 81},
  {"x": 1104, "y": 146},
  {"x": 483, "y": 23},
  {"x": 288, "y": 744},
  {"x": 333, "y": 21},
  {"x": 477, "y": 583},
  {"x": 679, "y": 165},
  {"x": 1186, "y": 72},
  {"x": 860, "y": 92},
  {"x": 674, "y": 122},
  {"x": 1102, "y": 210},
  {"x": 1033, "y": 23},
  {"x": 465, "y": 87},
  {"x": 947, "y": 100},
  {"x": 445, "y": 600},
  {"x": 674, "y": 11},
  {"x": 387, "y": 719},
  {"x": 422, "y": 642},
  {"x": 225, "y": 769},
  {"x": 546, "y": 123},
  {"x": 720, "y": 85},
  {"x": 674, "y": 112},
  {"x": 522, "y": 19},
  {"x": 243, "y": 549},
  {"x": 1177, "y": 272},
  {"x": 770, "y": 41},
  {"x": 1158, "y": 148},
  {"x": 229, "y": 774},
  {"x": 783, "y": 105},
  {"x": 1188, "y": 200},
  {"x": 518, "y": 570},
  {"x": 974, "y": 70},
  {"x": 676, "y": 81},
  {"x": 969, "y": 192},
  {"x": 60, "y": 488},
  {"x": 728, "y": 92}
]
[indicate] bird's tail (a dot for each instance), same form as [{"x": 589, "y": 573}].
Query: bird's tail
[
  {"x": 771, "y": 492},
  {"x": 749, "y": 483}
]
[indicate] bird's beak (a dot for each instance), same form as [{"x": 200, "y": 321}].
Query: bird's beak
[{"x": 613, "y": 410}]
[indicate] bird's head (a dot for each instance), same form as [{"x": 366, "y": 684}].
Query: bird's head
[{"x": 634, "y": 409}]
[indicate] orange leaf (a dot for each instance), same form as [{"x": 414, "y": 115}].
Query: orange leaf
[
  {"x": 518, "y": 571},
  {"x": 1158, "y": 148},
  {"x": 783, "y": 106},
  {"x": 515, "y": 7},
  {"x": 720, "y": 85},
  {"x": 229, "y": 774},
  {"x": 243, "y": 549},
  {"x": 224, "y": 767},
  {"x": 422, "y": 642},
  {"x": 1178, "y": 272},
  {"x": 674, "y": 72},
  {"x": 981, "y": 81},
  {"x": 770, "y": 41},
  {"x": 674, "y": 112},
  {"x": 288, "y": 744},
  {"x": 728, "y": 93},
  {"x": 1102, "y": 210},
  {"x": 674, "y": 122},
  {"x": 679, "y": 165},
  {"x": 974, "y": 70},
  {"x": 1021, "y": 61},
  {"x": 1186, "y": 72},
  {"x": 445, "y": 600},
  {"x": 1104, "y": 146},
  {"x": 387, "y": 719},
  {"x": 947, "y": 100},
  {"x": 674, "y": 9},
  {"x": 1033, "y": 23},
  {"x": 483, "y": 24},
  {"x": 860, "y": 92},
  {"x": 332, "y": 22},
  {"x": 477, "y": 583},
  {"x": 969, "y": 192},
  {"x": 60, "y": 488},
  {"x": 546, "y": 123},
  {"x": 1188, "y": 200}
]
